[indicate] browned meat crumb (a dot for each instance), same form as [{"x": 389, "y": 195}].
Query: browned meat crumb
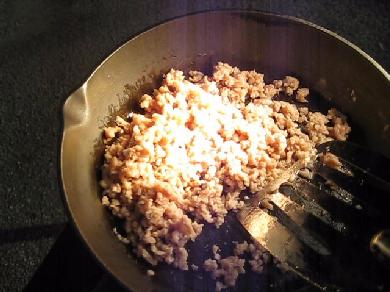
[
  {"x": 306, "y": 173},
  {"x": 219, "y": 286},
  {"x": 302, "y": 94},
  {"x": 215, "y": 249},
  {"x": 353, "y": 96},
  {"x": 340, "y": 128},
  {"x": 215, "y": 252},
  {"x": 211, "y": 265},
  {"x": 199, "y": 144},
  {"x": 110, "y": 132},
  {"x": 278, "y": 84},
  {"x": 120, "y": 237},
  {"x": 228, "y": 268},
  {"x": 290, "y": 84},
  {"x": 194, "y": 267},
  {"x": 331, "y": 160},
  {"x": 317, "y": 128},
  {"x": 259, "y": 257},
  {"x": 195, "y": 76}
]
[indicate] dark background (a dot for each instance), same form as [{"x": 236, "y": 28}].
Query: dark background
[{"x": 48, "y": 49}]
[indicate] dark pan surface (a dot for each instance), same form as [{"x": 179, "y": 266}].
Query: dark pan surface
[{"x": 274, "y": 45}]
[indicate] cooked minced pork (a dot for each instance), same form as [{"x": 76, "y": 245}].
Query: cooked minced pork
[{"x": 200, "y": 142}]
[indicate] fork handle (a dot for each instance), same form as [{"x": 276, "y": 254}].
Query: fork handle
[{"x": 380, "y": 245}]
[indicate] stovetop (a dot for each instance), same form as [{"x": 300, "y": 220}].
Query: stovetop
[{"x": 47, "y": 50}]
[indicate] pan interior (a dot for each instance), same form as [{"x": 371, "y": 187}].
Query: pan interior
[{"x": 273, "y": 45}]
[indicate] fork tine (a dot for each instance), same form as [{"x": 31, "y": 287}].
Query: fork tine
[
  {"x": 320, "y": 220},
  {"x": 327, "y": 254},
  {"x": 360, "y": 158},
  {"x": 283, "y": 243},
  {"x": 370, "y": 191},
  {"x": 338, "y": 206},
  {"x": 299, "y": 231},
  {"x": 321, "y": 260},
  {"x": 322, "y": 231},
  {"x": 312, "y": 207},
  {"x": 342, "y": 221}
]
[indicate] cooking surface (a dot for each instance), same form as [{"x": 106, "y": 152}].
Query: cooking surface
[{"x": 48, "y": 49}]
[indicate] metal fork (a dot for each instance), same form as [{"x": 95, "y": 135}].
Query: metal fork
[{"x": 334, "y": 229}]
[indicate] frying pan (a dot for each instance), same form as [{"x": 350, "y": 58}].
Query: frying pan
[{"x": 335, "y": 70}]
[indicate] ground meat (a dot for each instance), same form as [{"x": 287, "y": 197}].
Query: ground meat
[
  {"x": 331, "y": 160},
  {"x": 195, "y": 76},
  {"x": 216, "y": 254},
  {"x": 290, "y": 84},
  {"x": 219, "y": 286},
  {"x": 120, "y": 237},
  {"x": 340, "y": 128},
  {"x": 317, "y": 128},
  {"x": 259, "y": 257},
  {"x": 306, "y": 173},
  {"x": 194, "y": 267},
  {"x": 227, "y": 268},
  {"x": 231, "y": 267},
  {"x": 302, "y": 93},
  {"x": 200, "y": 142}
]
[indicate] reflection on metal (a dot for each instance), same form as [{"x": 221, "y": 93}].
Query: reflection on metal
[
  {"x": 380, "y": 245},
  {"x": 280, "y": 230}
]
